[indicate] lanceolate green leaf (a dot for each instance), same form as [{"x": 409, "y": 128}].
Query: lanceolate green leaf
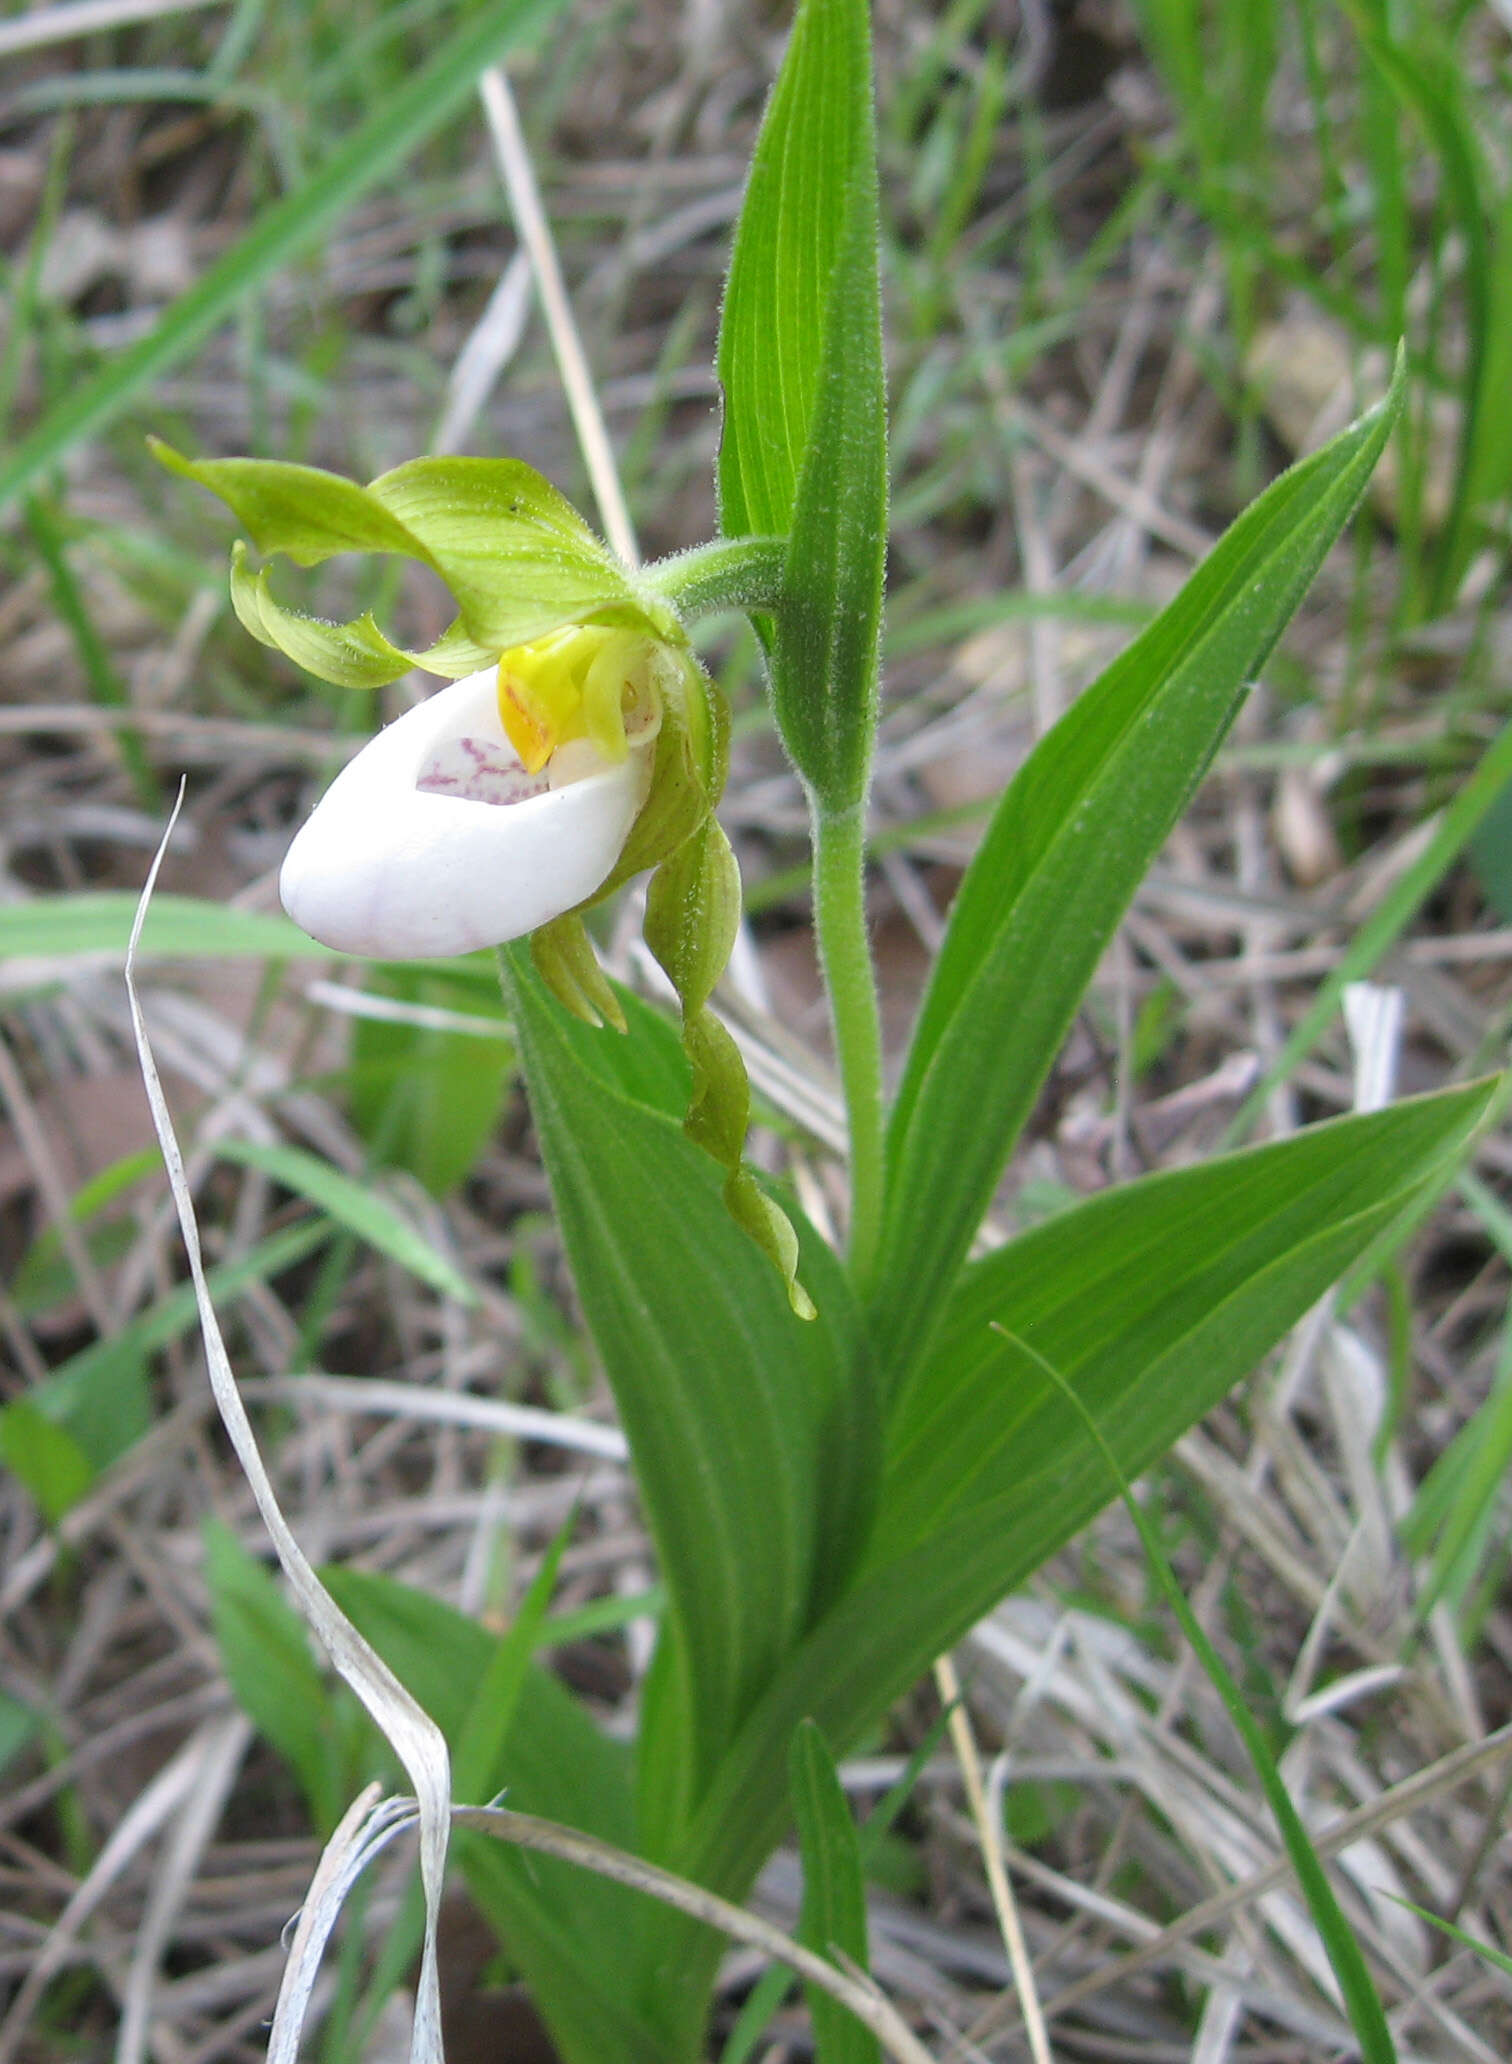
[
  {"x": 824, "y": 662},
  {"x": 814, "y": 147},
  {"x": 1152, "y": 1300},
  {"x": 99, "y": 921},
  {"x": 1066, "y": 849},
  {"x": 752, "y": 1432}
]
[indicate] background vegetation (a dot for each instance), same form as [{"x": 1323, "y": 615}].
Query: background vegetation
[{"x": 1135, "y": 259}]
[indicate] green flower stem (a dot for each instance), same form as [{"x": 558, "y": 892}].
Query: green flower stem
[
  {"x": 731, "y": 573},
  {"x": 845, "y": 956}
]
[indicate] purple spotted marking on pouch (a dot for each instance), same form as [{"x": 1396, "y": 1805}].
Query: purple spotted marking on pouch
[{"x": 479, "y": 770}]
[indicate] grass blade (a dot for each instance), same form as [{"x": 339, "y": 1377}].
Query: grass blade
[
  {"x": 352, "y": 1204},
  {"x": 393, "y": 129},
  {"x": 1362, "y": 2002}
]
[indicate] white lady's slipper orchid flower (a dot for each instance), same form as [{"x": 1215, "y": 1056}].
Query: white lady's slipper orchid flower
[{"x": 441, "y": 837}]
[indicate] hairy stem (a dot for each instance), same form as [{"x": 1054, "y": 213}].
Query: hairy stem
[
  {"x": 845, "y": 956},
  {"x": 732, "y": 573}
]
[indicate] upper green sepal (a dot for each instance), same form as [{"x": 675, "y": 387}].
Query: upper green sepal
[{"x": 516, "y": 555}]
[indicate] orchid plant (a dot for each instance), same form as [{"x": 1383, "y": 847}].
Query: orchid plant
[{"x": 843, "y": 1459}]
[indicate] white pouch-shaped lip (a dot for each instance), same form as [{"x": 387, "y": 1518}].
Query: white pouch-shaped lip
[{"x": 434, "y": 840}]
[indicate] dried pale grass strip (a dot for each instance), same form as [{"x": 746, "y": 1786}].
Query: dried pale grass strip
[
  {"x": 44, "y": 25},
  {"x": 989, "y": 1840},
  {"x": 857, "y": 1991},
  {"x": 367, "y": 1827},
  {"x": 445, "y": 1408},
  {"x": 185, "y": 732},
  {"x": 411, "y": 1732},
  {"x": 1204, "y": 1968},
  {"x": 223, "y": 1745},
  {"x": 1413, "y": 1792},
  {"x": 394, "y": 1010},
  {"x": 572, "y": 364},
  {"x": 493, "y": 342},
  {"x": 167, "y": 1793}
]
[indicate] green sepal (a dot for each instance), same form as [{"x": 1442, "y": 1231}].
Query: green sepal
[
  {"x": 770, "y": 1227},
  {"x": 476, "y": 520},
  {"x": 566, "y": 962},
  {"x": 692, "y": 916},
  {"x": 719, "y": 1109},
  {"x": 352, "y": 655},
  {"x": 516, "y": 555},
  {"x": 693, "y": 913},
  {"x": 302, "y": 511}
]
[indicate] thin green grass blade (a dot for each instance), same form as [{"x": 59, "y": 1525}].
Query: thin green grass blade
[
  {"x": 354, "y": 1205},
  {"x": 105, "y": 684},
  {"x": 832, "y": 1919},
  {"x": 98, "y": 921},
  {"x": 1497, "y": 1958},
  {"x": 23, "y": 278},
  {"x": 1457, "y": 1505},
  {"x": 774, "y": 1985},
  {"x": 414, "y": 111},
  {"x": 1362, "y": 2001}
]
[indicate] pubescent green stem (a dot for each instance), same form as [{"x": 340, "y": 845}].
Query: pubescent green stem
[
  {"x": 845, "y": 957},
  {"x": 730, "y": 573}
]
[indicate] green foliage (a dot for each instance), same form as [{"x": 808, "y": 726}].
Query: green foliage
[
  {"x": 577, "y": 1935},
  {"x": 804, "y": 449},
  {"x": 99, "y": 922},
  {"x": 425, "y": 1097},
  {"x": 18, "y": 1726},
  {"x": 833, "y": 1918},
  {"x": 1460, "y": 1516},
  {"x": 354, "y": 1205},
  {"x": 414, "y": 108},
  {"x": 1407, "y": 135},
  {"x": 265, "y": 1653},
  {"x": 518, "y": 557},
  {"x": 833, "y": 1502},
  {"x": 45, "y": 1457},
  {"x": 102, "y": 1397},
  {"x": 813, "y": 160},
  {"x": 755, "y": 1440},
  {"x": 1067, "y": 847}
]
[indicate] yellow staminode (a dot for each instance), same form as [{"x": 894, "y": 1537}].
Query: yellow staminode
[{"x": 581, "y": 682}]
